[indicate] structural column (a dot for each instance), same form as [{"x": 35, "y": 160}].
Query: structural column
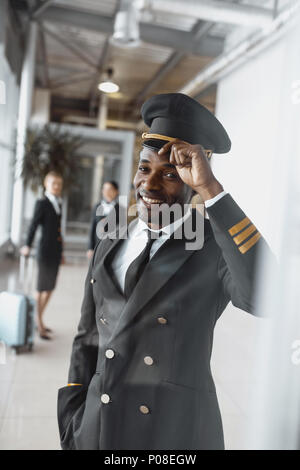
[
  {"x": 25, "y": 104},
  {"x": 99, "y": 159},
  {"x": 102, "y": 114}
]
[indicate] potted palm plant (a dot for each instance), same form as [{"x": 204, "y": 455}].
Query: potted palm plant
[{"x": 46, "y": 149}]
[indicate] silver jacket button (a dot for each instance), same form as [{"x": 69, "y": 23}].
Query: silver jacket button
[
  {"x": 92, "y": 281},
  {"x": 109, "y": 353},
  {"x": 105, "y": 398},
  {"x": 144, "y": 409},
  {"x": 162, "y": 320},
  {"x": 148, "y": 360},
  {"x": 103, "y": 320}
]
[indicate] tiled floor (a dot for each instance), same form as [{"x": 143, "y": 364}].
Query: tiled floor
[{"x": 29, "y": 382}]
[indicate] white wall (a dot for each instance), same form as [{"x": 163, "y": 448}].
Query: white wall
[{"x": 249, "y": 106}]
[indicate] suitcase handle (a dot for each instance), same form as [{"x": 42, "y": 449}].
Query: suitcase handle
[{"x": 26, "y": 272}]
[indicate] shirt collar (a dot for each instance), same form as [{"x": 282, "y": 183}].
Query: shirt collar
[
  {"x": 107, "y": 203},
  {"x": 167, "y": 229},
  {"x": 52, "y": 198}
]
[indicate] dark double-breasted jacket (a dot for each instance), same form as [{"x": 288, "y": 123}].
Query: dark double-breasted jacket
[{"x": 144, "y": 364}]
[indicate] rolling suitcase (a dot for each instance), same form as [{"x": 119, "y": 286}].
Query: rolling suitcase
[{"x": 17, "y": 311}]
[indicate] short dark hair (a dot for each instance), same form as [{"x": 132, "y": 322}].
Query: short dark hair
[{"x": 114, "y": 184}]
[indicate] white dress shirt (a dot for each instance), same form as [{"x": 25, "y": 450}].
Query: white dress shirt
[
  {"x": 106, "y": 206},
  {"x": 55, "y": 201},
  {"x": 137, "y": 240},
  {"x": 211, "y": 201}
]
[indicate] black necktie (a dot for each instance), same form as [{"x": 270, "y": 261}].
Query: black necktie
[{"x": 138, "y": 265}]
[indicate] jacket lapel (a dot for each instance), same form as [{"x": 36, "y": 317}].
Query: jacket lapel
[
  {"x": 109, "y": 286},
  {"x": 162, "y": 266},
  {"x": 51, "y": 207}
]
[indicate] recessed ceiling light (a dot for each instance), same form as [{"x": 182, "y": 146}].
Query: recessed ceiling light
[{"x": 108, "y": 86}]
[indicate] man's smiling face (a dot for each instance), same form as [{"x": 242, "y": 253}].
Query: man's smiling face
[{"x": 157, "y": 182}]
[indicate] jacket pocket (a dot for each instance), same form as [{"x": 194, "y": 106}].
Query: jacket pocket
[{"x": 208, "y": 389}]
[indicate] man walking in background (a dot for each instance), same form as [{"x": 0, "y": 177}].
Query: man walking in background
[
  {"x": 110, "y": 193},
  {"x": 47, "y": 214}
]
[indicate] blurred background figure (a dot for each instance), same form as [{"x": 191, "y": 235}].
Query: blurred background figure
[
  {"x": 47, "y": 214},
  {"x": 109, "y": 202}
]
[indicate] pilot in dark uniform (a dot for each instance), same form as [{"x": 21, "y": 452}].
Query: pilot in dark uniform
[
  {"x": 47, "y": 214},
  {"x": 140, "y": 375}
]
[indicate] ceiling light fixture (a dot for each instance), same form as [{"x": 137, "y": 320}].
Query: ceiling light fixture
[{"x": 108, "y": 86}]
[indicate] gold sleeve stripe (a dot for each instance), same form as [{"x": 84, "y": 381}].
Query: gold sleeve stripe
[
  {"x": 71, "y": 384},
  {"x": 246, "y": 246},
  {"x": 239, "y": 226},
  {"x": 244, "y": 234}
]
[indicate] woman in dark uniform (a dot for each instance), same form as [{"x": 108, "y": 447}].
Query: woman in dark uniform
[
  {"x": 110, "y": 192},
  {"x": 47, "y": 213}
]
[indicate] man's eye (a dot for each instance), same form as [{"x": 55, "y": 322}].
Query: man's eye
[
  {"x": 142, "y": 168},
  {"x": 171, "y": 175}
]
